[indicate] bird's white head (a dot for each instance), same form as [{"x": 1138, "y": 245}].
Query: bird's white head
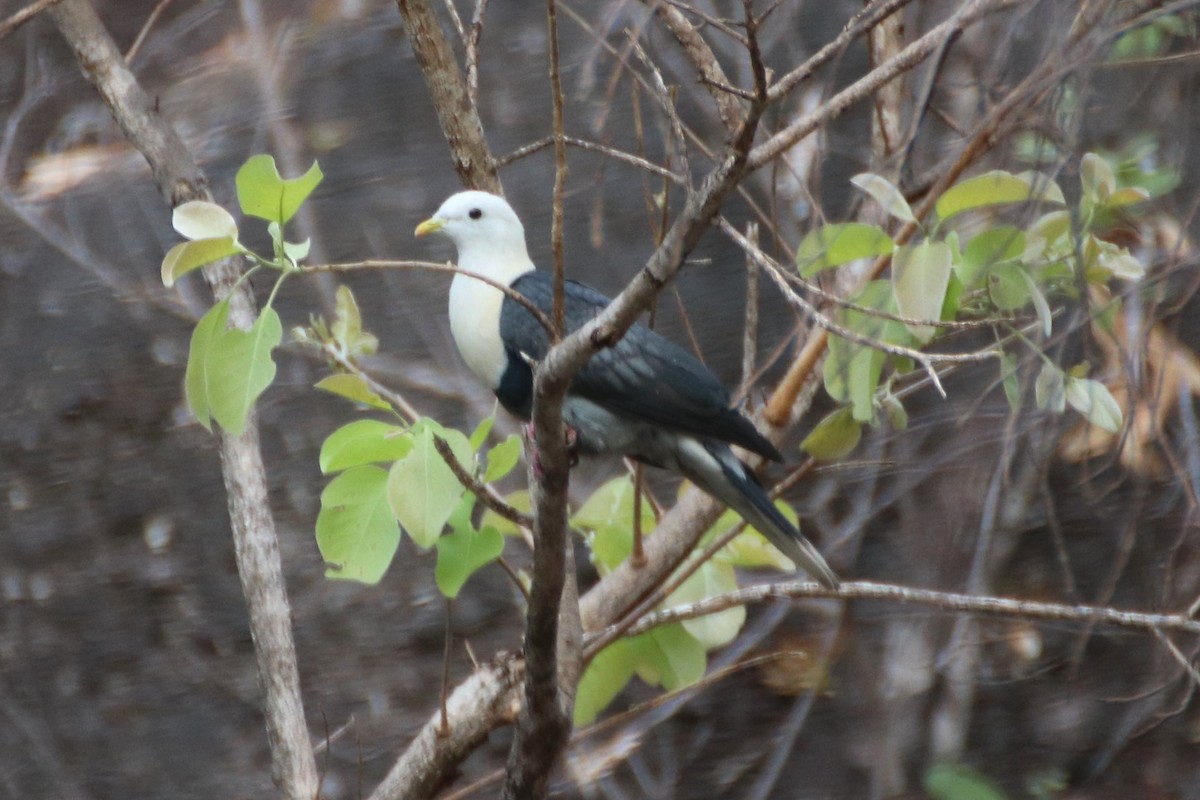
[{"x": 485, "y": 229}]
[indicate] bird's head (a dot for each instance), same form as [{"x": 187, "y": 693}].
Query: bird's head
[{"x": 483, "y": 227}]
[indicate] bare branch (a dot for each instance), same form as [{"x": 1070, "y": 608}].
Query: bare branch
[{"x": 27, "y": 13}]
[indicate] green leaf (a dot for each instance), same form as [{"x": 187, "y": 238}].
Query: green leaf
[
  {"x": 356, "y": 532},
  {"x": 608, "y": 516},
  {"x": 959, "y": 782},
  {"x": 263, "y": 193},
  {"x": 992, "y": 188},
  {"x": 710, "y": 580},
  {"x": 833, "y": 245},
  {"x": 897, "y": 414},
  {"x": 297, "y": 251},
  {"x": 365, "y": 441},
  {"x": 1011, "y": 381},
  {"x": 502, "y": 458},
  {"x": 482, "y": 431},
  {"x": 422, "y": 489},
  {"x": 669, "y": 656},
  {"x": 1008, "y": 288},
  {"x": 750, "y": 549},
  {"x": 833, "y": 437},
  {"x": 187, "y": 256},
  {"x": 229, "y": 368},
  {"x": 851, "y": 370},
  {"x": 462, "y": 553},
  {"x": 886, "y": 194},
  {"x": 1039, "y": 303},
  {"x": 353, "y": 388},
  {"x": 920, "y": 276},
  {"x": 199, "y": 219},
  {"x": 604, "y": 678},
  {"x": 1049, "y": 389},
  {"x": 1097, "y": 179},
  {"x": 518, "y": 500},
  {"x": 241, "y": 368},
  {"x": 196, "y": 381},
  {"x": 990, "y": 248},
  {"x": 1095, "y": 402}
]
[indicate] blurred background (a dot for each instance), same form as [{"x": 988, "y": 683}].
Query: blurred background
[{"x": 126, "y": 667}]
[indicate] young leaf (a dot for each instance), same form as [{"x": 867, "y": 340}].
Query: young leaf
[
  {"x": 710, "y": 580},
  {"x": 199, "y": 219},
  {"x": 920, "y": 275},
  {"x": 462, "y": 553},
  {"x": 502, "y": 458},
  {"x": 1095, "y": 402},
  {"x": 482, "y": 431},
  {"x": 365, "y": 441},
  {"x": 422, "y": 489},
  {"x": 669, "y": 656},
  {"x": 196, "y": 381},
  {"x": 833, "y": 245},
  {"x": 1039, "y": 303},
  {"x": 989, "y": 189},
  {"x": 833, "y": 437},
  {"x": 1007, "y": 287},
  {"x": 187, "y": 256},
  {"x": 263, "y": 193},
  {"x": 347, "y": 330},
  {"x": 356, "y": 532},
  {"x": 1097, "y": 179},
  {"x": 1049, "y": 389},
  {"x": 886, "y": 194},
  {"x": 240, "y": 368},
  {"x": 353, "y": 388},
  {"x": 604, "y": 678}
]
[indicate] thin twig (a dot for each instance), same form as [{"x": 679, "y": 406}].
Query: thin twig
[
  {"x": 595, "y": 147},
  {"x": 482, "y": 491},
  {"x": 27, "y": 13},
  {"x": 132, "y": 52}
]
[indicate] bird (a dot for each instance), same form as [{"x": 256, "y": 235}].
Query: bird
[{"x": 646, "y": 397}]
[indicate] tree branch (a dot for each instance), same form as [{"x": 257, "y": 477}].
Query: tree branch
[{"x": 256, "y": 546}]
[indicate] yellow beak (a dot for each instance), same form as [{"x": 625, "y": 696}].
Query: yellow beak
[{"x": 431, "y": 225}]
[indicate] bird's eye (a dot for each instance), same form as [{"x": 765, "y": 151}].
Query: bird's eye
[{"x": 474, "y": 213}]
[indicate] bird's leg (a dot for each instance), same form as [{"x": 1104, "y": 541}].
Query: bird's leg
[{"x": 572, "y": 439}]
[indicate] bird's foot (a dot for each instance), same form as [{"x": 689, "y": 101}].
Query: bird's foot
[{"x": 572, "y": 439}]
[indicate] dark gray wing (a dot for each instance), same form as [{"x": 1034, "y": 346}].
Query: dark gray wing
[{"x": 644, "y": 376}]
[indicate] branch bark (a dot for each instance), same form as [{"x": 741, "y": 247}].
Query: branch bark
[{"x": 256, "y": 546}]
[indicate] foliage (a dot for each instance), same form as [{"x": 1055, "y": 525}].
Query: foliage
[{"x": 957, "y": 271}]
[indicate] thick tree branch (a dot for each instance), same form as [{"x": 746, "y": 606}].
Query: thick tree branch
[
  {"x": 255, "y": 544},
  {"x": 451, "y": 99}
]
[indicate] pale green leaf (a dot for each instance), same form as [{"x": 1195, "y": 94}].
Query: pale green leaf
[
  {"x": 462, "y": 553},
  {"x": 364, "y": 441},
  {"x": 297, "y": 251},
  {"x": 1127, "y": 196},
  {"x": 603, "y": 679},
  {"x": 196, "y": 381},
  {"x": 482, "y": 431},
  {"x": 502, "y": 458},
  {"x": 187, "y": 256},
  {"x": 263, "y": 193},
  {"x": 1095, "y": 402},
  {"x": 1007, "y": 287},
  {"x": 989, "y": 189},
  {"x": 920, "y": 275},
  {"x": 710, "y": 580},
  {"x": 1096, "y": 178},
  {"x": 356, "y": 532},
  {"x": 353, "y": 388},
  {"x": 1049, "y": 389},
  {"x": 1010, "y": 380},
  {"x": 1039, "y": 303},
  {"x": 199, "y": 219},
  {"x": 833, "y": 245},
  {"x": 240, "y": 368},
  {"x": 834, "y": 437},
  {"x": 518, "y": 500},
  {"x": 422, "y": 488},
  {"x": 886, "y": 194},
  {"x": 669, "y": 656},
  {"x": 1043, "y": 187},
  {"x": 959, "y": 782},
  {"x": 991, "y": 247}
]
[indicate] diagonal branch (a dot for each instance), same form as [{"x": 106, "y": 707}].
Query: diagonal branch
[{"x": 255, "y": 543}]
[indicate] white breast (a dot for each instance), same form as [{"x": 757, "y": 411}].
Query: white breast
[{"x": 475, "y": 323}]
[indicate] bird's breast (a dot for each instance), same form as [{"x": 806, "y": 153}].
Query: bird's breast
[{"x": 475, "y": 325}]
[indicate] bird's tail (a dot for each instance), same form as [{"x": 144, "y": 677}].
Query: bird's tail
[{"x": 714, "y": 468}]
